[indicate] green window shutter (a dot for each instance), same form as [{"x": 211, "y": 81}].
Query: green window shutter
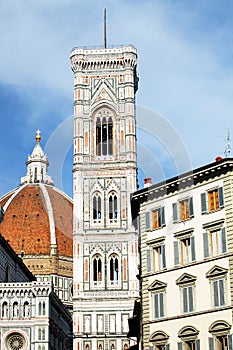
[
  {"x": 191, "y": 212},
  {"x": 216, "y": 293},
  {"x": 148, "y": 260},
  {"x": 147, "y": 219},
  {"x": 175, "y": 212},
  {"x": 203, "y": 203},
  {"x": 176, "y": 253},
  {"x": 185, "y": 299},
  {"x": 163, "y": 256},
  {"x": 221, "y": 292},
  {"x": 156, "y": 305},
  {"x": 161, "y": 304},
  {"x": 180, "y": 345},
  {"x": 162, "y": 216},
  {"x": 167, "y": 347},
  {"x": 211, "y": 343},
  {"x": 224, "y": 243},
  {"x": 220, "y": 197},
  {"x": 190, "y": 294},
  {"x": 229, "y": 342},
  {"x": 193, "y": 251},
  {"x": 206, "y": 244},
  {"x": 197, "y": 344}
]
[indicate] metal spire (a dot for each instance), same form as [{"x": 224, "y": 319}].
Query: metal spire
[{"x": 105, "y": 30}]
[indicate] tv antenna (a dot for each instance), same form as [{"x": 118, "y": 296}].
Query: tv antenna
[{"x": 227, "y": 151}]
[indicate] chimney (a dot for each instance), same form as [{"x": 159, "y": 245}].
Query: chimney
[{"x": 147, "y": 182}]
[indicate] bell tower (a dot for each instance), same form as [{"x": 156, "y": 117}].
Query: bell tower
[{"x": 105, "y": 175}]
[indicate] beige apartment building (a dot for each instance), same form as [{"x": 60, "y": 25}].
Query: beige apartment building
[{"x": 186, "y": 247}]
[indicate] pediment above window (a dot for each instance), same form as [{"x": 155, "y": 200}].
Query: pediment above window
[
  {"x": 157, "y": 285},
  {"x": 159, "y": 337},
  {"x": 217, "y": 224},
  {"x": 103, "y": 92},
  {"x": 97, "y": 186},
  {"x": 185, "y": 279},
  {"x": 156, "y": 241},
  {"x": 219, "y": 327},
  {"x": 216, "y": 271},
  {"x": 188, "y": 333}
]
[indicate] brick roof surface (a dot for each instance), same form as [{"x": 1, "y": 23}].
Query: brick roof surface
[{"x": 26, "y": 224}]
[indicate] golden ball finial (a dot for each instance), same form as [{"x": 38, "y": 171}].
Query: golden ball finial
[{"x": 38, "y": 137}]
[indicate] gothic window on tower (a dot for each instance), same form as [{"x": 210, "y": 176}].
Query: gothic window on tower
[
  {"x": 96, "y": 210},
  {"x": 112, "y": 208},
  {"x": 97, "y": 270},
  {"x": 104, "y": 136},
  {"x": 114, "y": 270}
]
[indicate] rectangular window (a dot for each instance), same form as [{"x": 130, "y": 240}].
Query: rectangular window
[
  {"x": 183, "y": 210},
  {"x": 100, "y": 324},
  {"x": 188, "y": 299},
  {"x": 155, "y": 219},
  {"x": 159, "y": 258},
  {"x": 214, "y": 242},
  {"x": 212, "y": 200},
  {"x": 159, "y": 305},
  {"x": 219, "y": 292},
  {"x": 184, "y": 251}
]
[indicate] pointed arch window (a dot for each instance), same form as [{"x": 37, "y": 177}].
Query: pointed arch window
[
  {"x": 97, "y": 269},
  {"x": 112, "y": 208},
  {"x": 97, "y": 208},
  {"x": 114, "y": 269},
  {"x": 104, "y": 136}
]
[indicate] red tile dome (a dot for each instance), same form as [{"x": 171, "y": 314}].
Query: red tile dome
[{"x": 38, "y": 218}]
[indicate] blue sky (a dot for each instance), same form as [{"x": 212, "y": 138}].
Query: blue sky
[{"x": 185, "y": 65}]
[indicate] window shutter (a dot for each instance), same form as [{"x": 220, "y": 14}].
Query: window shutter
[
  {"x": 185, "y": 299},
  {"x": 206, "y": 244},
  {"x": 147, "y": 218},
  {"x": 163, "y": 256},
  {"x": 229, "y": 342},
  {"x": 180, "y": 346},
  {"x": 211, "y": 343},
  {"x": 216, "y": 298},
  {"x": 224, "y": 243},
  {"x": 175, "y": 212},
  {"x": 193, "y": 252},
  {"x": 156, "y": 305},
  {"x": 203, "y": 203},
  {"x": 167, "y": 347},
  {"x": 148, "y": 260},
  {"x": 161, "y": 304},
  {"x": 221, "y": 292},
  {"x": 162, "y": 216},
  {"x": 190, "y": 293},
  {"x": 191, "y": 213},
  {"x": 176, "y": 253},
  {"x": 220, "y": 197},
  {"x": 197, "y": 344}
]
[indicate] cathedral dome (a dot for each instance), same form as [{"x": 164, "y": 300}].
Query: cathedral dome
[
  {"x": 37, "y": 220},
  {"x": 38, "y": 224}
]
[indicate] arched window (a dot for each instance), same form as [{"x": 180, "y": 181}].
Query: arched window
[
  {"x": 104, "y": 136},
  {"x": 15, "y": 309},
  {"x": 26, "y": 309},
  {"x": 114, "y": 269},
  {"x": 35, "y": 175},
  {"x": 112, "y": 208},
  {"x": 4, "y": 309},
  {"x": 97, "y": 269},
  {"x": 96, "y": 210}
]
